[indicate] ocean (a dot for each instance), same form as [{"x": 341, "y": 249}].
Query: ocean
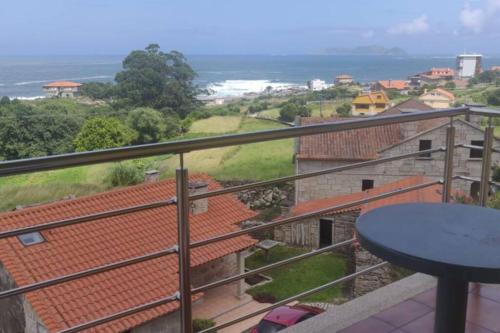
[{"x": 24, "y": 76}]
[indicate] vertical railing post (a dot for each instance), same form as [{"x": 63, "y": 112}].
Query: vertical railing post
[
  {"x": 486, "y": 166},
  {"x": 184, "y": 253},
  {"x": 448, "y": 162}
]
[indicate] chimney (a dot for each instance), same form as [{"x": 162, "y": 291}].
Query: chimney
[
  {"x": 152, "y": 176},
  {"x": 199, "y": 206}
]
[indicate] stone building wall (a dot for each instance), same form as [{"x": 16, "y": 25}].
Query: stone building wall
[
  {"x": 215, "y": 270},
  {"x": 350, "y": 181},
  {"x": 16, "y": 313},
  {"x": 306, "y": 232}
]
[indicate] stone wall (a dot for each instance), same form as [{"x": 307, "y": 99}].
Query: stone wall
[
  {"x": 306, "y": 232},
  {"x": 368, "y": 282},
  {"x": 16, "y": 313},
  {"x": 266, "y": 196},
  {"x": 350, "y": 181},
  {"x": 215, "y": 270}
]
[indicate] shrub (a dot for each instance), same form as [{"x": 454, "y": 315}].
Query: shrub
[
  {"x": 344, "y": 110},
  {"x": 264, "y": 297},
  {"x": 125, "y": 174},
  {"x": 102, "y": 133},
  {"x": 292, "y": 109},
  {"x": 148, "y": 123},
  {"x": 202, "y": 324}
]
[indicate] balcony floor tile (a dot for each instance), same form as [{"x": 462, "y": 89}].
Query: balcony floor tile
[{"x": 416, "y": 315}]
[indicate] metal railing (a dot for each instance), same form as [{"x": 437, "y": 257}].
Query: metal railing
[{"x": 183, "y": 199}]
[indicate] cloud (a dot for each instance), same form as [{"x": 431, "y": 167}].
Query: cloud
[
  {"x": 477, "y": 19},
  {"x": 414, "y": 27},
  {"x": 368, "y": 34},
  {"x": 472, "y": 18}
]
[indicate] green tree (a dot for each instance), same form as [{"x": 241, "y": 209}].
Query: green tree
[
  {"x": 450, "y": 85},
  {"x": 293, "y": 109},
  {"x": 102, "y": 133},
  {"x": 152, "y": 78},
  {"x": 28, "y": 131},
  {"x": 4, "y": 101},
  {"x": 493, "y": 97},
  {"x": 344, "y": 109},
  {"x": 98, "y": 90},
  {"x": 148, "y": 123}
]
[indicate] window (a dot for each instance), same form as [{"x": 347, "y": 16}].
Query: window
[
  {"x": 366, "y": 184},
  {"x": 31, "y": 239},
  {"x": 476, "y": 153},
  {"x": 425, "y": 145}
]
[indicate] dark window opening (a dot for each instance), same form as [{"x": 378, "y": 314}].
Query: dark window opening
[
  {"x": 325, "y": 232},
  {"x": 367, "y": 184},
  {"x": 474, "y": 190},
  {"x": 476, "y": 153},
  {"x": 425, "y": 145}
]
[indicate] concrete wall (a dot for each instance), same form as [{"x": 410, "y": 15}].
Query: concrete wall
[
  {"x": 350, "y": 181},
  {"x": 16, "y": 313}
]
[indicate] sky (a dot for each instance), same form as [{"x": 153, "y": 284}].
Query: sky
[{"x": 74, "y": 27}]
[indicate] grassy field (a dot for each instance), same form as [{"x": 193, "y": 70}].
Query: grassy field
[
  {"x": 216, "y": 124},
  {"x": 300, "y": 276},
  {"x": 248, "y": 162}
]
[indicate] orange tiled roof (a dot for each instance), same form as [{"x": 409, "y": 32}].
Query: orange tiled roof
[
  {"x": 428, "y": 194},
  {"x": 63, "y": 84},
  {"x": 394, "y": 84},
  {"x": 438, "y": 71},
  {"x": 414, "y": 105},
  {"x": 371, "y": 98},
  {"x": 83, "y": 246},
  {"x": 358, "y": 144},
  {"x": 441, "y": 91}
]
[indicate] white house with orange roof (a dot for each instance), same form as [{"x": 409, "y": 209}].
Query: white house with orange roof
[
  {"x": 438, "y": 98},
  {"x": 62, "y": 89}
]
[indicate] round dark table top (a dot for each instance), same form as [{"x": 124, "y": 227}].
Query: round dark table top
[{"x": 445, "y": 240}]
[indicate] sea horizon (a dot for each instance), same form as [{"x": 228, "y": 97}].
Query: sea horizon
[{"x": 226, "y": 75}]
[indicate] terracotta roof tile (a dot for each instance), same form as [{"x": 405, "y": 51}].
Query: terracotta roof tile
[
  {"x": 78, "y": 247},
  {"x": 394, "y": 84},
  {"x": 63, "y": 84},
  {"x": 428, "y": 194},
  {"x": 359, "y": 144}
]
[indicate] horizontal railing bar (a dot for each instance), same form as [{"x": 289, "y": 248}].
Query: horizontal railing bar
[
  {"x": 471, "y": 179},
  {"x": 85, "y": 218},
  {"x": 185, "y": 146},
  {"x": 462, "y": 145},
  {"x": 271, "y": 266},
  {"x": 293, "y": 298},
  {"x": 121, "y": 314},
  {"x": 86, "y": 273},
  {"x": 484, "y": 111},
  {"x": 312, "y": 174},
  {"x": 292, "y": 219}
]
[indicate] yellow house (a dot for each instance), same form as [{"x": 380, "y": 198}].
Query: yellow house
[
  {"x": 370, "y": 104},
  {"x": 438, "y": 98}
]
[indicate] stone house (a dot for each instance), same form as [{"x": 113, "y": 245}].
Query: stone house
[
  {"x": 64, "y": 89},
  {"x": 330, "y": 150},
  {"x": 44, "y": 255},
  {"x": 338, "y": 225}
]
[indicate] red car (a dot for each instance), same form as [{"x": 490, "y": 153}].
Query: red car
[{"x": 285, "y": 316}]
